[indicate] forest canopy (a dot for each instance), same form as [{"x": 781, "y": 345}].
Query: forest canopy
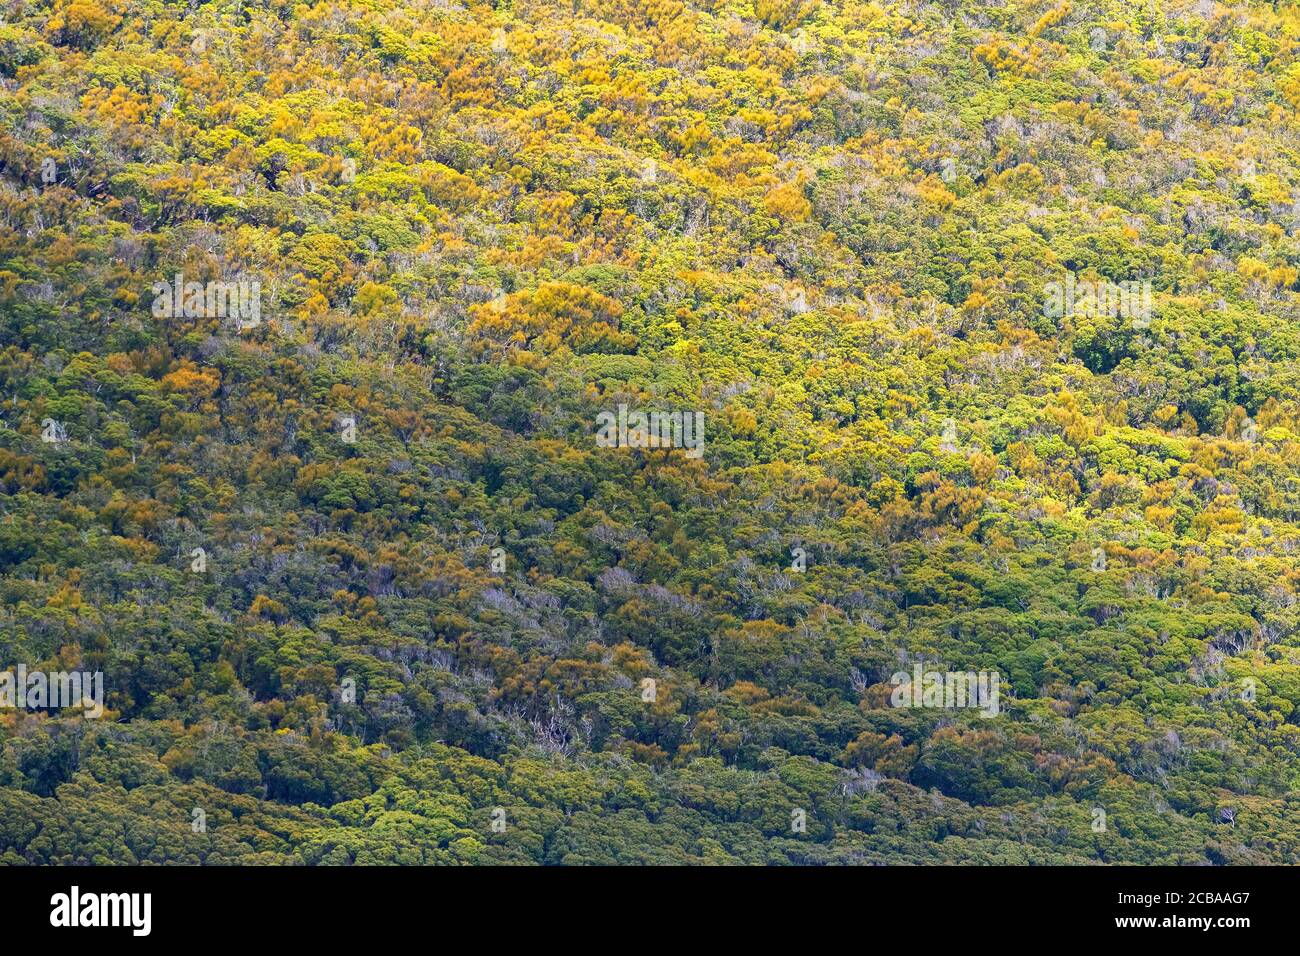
[{"x": 970, "y": 330}]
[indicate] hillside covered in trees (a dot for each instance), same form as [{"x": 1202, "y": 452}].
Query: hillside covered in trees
[{"x": 365, "y": 587}]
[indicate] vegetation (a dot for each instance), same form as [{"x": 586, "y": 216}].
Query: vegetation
[{"x": 829, "y": 226}]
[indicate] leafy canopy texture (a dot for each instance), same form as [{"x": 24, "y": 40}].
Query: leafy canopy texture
[{"x": 986, "y": 317}]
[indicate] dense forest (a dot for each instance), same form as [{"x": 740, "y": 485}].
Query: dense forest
[{"x": 365, "y": 587}]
